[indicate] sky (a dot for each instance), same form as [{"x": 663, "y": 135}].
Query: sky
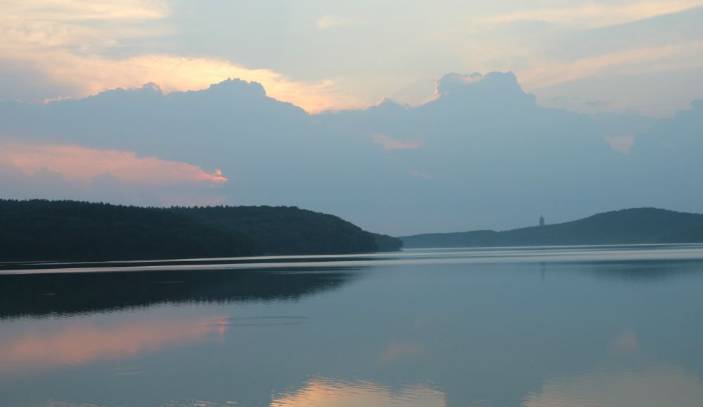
[
  {"x": 596, "y": 55},
  {"x": 424, "y": 116}
]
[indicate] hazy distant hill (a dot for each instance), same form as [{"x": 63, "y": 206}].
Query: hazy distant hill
[
  {"x": 68, "y": 230},
  {"x": 641, "y": 225}
]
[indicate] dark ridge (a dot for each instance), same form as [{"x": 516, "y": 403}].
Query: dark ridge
[
  {"x": 40, "y": 230},
  {"x": 627, "y": 226}
]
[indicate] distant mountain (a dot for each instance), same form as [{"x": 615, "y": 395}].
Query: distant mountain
[
  {"x": 628, "y": 226},
  {"x": 77, "y": 231}
]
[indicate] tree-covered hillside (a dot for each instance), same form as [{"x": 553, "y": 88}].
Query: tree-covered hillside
[{"x": 69, "y": 230}]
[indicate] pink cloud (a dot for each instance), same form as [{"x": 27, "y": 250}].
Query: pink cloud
[
  {"x": 389, "y": 143},
  {"x": 83, "y": 165}
]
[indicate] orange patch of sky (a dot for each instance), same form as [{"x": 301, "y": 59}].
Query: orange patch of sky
[{"x": 82, "y": 164}]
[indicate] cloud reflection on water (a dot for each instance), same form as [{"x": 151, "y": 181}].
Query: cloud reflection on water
[
  {"x": 84, "y": 342},
  {"x": 329, "y": 393},
  {"x": 651, "y": 387}
]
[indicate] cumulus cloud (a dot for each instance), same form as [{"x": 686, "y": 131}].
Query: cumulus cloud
[
  {"x": 69, "y": 44},
  {"x": 454, "y": 81},
  {"x": 92, "y": 74}
]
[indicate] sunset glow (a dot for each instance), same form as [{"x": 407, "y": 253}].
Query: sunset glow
[
  {"x": 78, "y": 48},
  {"x": 82, "y": 164},
  {"x": 351, "y": 203}
]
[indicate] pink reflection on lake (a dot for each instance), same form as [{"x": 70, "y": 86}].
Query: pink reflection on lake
[{"x": 87, "y": 341}]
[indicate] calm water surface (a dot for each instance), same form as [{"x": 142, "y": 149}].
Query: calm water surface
[{"x": 575, "y": 326}]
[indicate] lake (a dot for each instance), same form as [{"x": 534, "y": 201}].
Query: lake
[{"x": 549, "y": 326}]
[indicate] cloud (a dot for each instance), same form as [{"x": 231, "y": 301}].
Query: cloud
[
  {"x": 52, "y": 171},
  {"x": 89, "y": 75},
  {"x": 69, "y": 42},
  {"x": 597, "y": 15},
  {"x": 328, "y": 22},
  {"x": 553, "y": 73},
  {"x": 83, "y": 165},
  {"x": 86, "y": 10},
  {"x": 389, "y": 143},
  {"x": 454, "y": 81},
  {"x": 622, "y": 80},
  {"x": 80, "y": 25},
  {"x": 313, "y": 161}
]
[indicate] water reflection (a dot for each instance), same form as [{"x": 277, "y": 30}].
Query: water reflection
[
  {"x": 82, "y": 342},
  {"x": 330, "y": 393},
  {"x": 187, "y": 403},
  {"x": 625, "y": 342},
  {"x": 65, "y": 294},
  {"x": 482, "y": 334},
  {"x": 643, "y": 271},
  {"x": 652, "y": 387},
  {"x": 396, "y": 351}
]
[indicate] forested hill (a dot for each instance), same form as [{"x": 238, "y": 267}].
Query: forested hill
[
  {"x": 628, "y": 226},
  {"x": 80, "y": 231}
]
